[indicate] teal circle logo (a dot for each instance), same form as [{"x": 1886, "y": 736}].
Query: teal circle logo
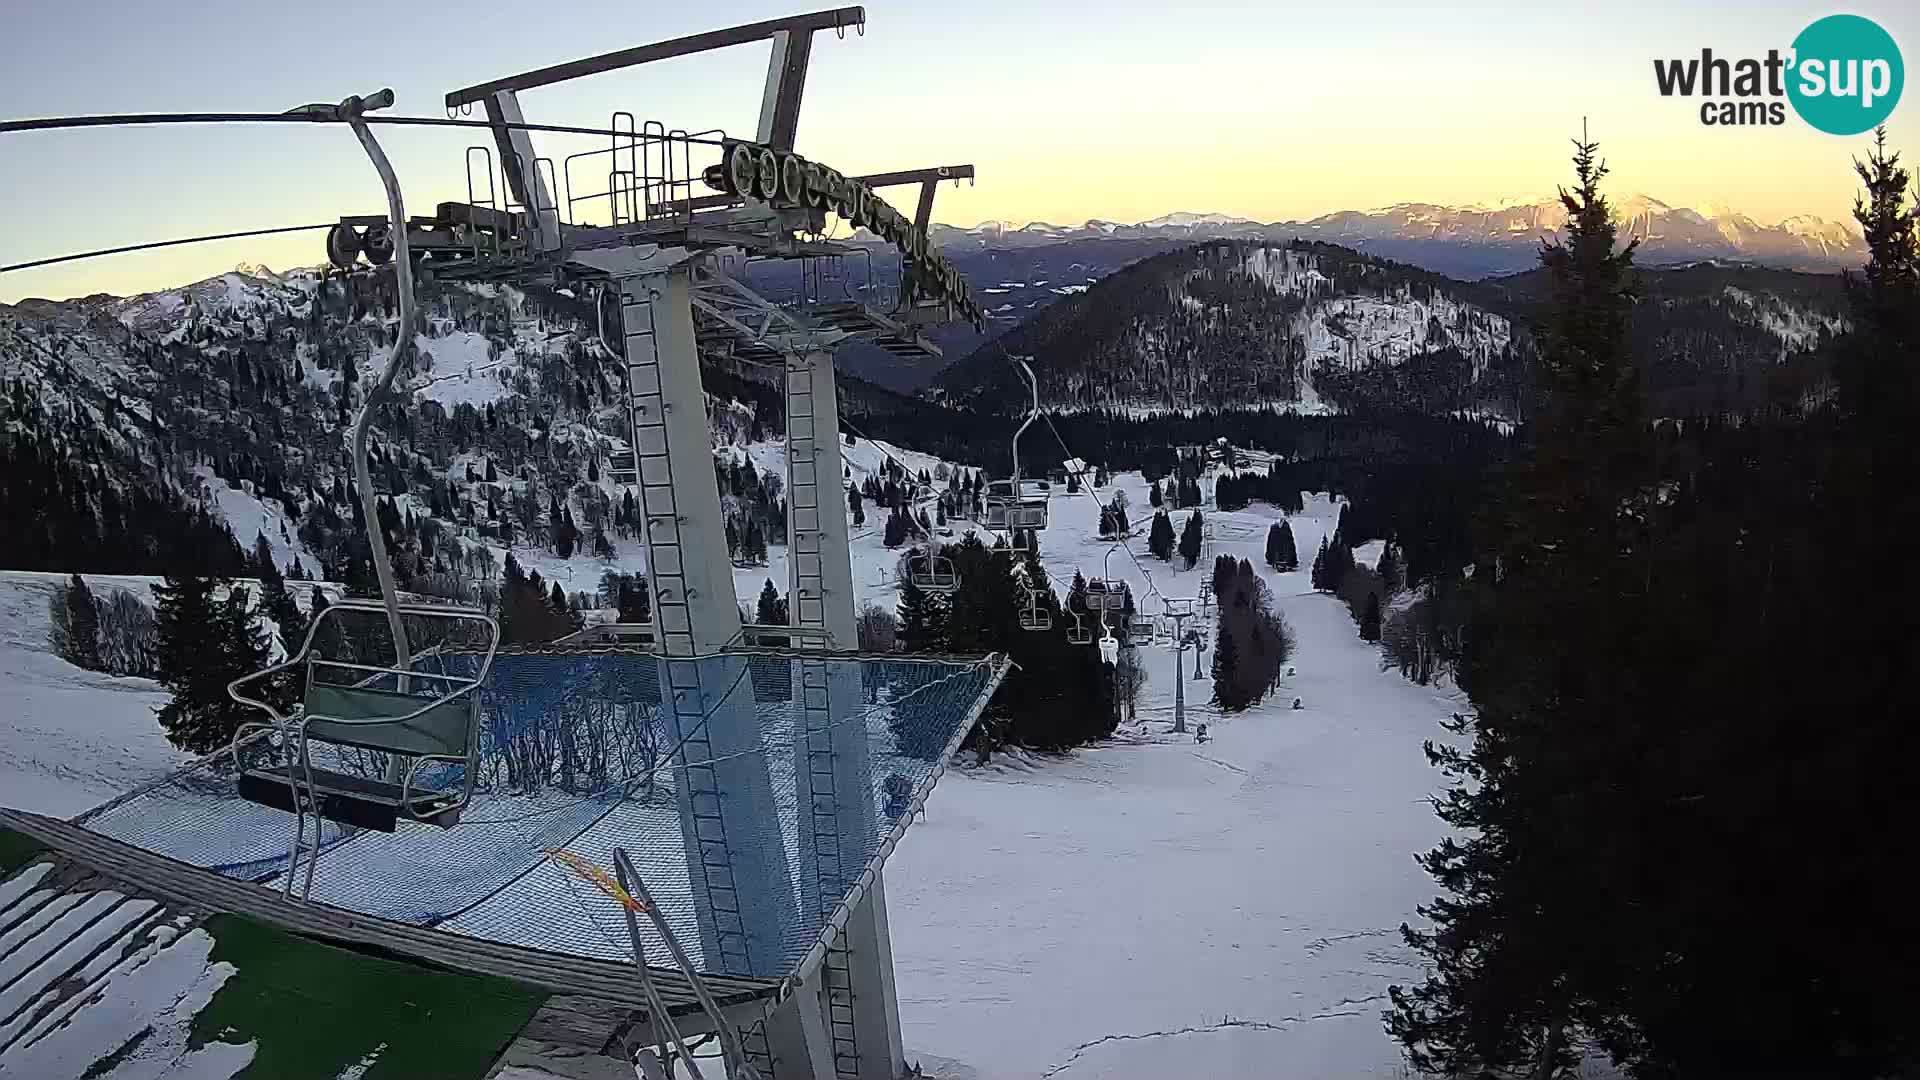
[{"x": 1846, "y": 75}]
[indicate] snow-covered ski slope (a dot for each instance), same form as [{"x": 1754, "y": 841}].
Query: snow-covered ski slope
[
  {"x": 1154, "y": 907},
  {"x": 1148, "y": 907},
  {"x": 69, "y": 738}
]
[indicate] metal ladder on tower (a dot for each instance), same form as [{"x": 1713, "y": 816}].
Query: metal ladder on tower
[
  {"x": 809, "y": 604},
  {"x": 671, "y": 597}
]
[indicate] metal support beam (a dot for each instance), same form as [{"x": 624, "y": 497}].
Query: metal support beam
[
  {"x": 831, "y": 19},
  {"x": 522, "y": 167},
  {"x": 876, "y": 1014},
  {"x": 786, "y": 83},
  {"x": 797, "y": 1042},
  {"x": 923, "y": 214},
  {"x": 742, "y": 893},
  {"x": 835, "y": 788},
  {"x": 819, "y": 566}
]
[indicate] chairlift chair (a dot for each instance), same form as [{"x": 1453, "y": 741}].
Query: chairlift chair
[
  {"x": 933, "y": 573},
  {"x": 1034, "y": 616},
  {"x": 1079, "y": 633},
  {"x": 422, "y": 717},
  {"x": 1106, "y": 594},
  {"x": 1009, "y": 509},
  {"x": 1013, "y": 503}
]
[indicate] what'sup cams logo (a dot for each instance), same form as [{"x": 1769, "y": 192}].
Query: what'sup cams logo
[{"x": 1843, "y": 75}]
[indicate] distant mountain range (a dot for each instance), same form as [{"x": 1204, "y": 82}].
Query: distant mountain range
[
  {"x": 1311, "y": 326},
  {"x": 1472, "y": 241}
]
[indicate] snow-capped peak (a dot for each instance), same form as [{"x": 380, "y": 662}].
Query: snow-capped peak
[{"x": 1185, "y": 219}]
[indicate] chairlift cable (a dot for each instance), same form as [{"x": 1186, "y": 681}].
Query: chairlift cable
[
  {"x": 124, "y": 249},
  {"x": 58, "y": 123}
]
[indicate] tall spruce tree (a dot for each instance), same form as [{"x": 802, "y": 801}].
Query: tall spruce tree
[
  {"x": 1226, "y": 669},
  {"x": 1190, "y": 539},
  {"x": 204, "y": 644},
  {"x": 1160, "y": 536},
  {"x": 1526, "y": 929},
  {"x": 1389, "y": 569},
  {"x": 1370, "y": 618},
  {"x": 923, "y": 620},
  {"x": 76, "y": 624},
  {"x": 275, "y": 598}
]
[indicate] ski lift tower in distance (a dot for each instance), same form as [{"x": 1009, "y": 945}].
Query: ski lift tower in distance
[{"x": 649, "y": 230}]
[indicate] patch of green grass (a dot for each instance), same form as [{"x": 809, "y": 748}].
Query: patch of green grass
[
  {"x": 17, "y": 851},
  {"x": 316, "y": 1009}
]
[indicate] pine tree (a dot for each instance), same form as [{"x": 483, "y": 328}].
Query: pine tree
[
  {"x": 76, "y": 622},
  {"x": 203, "y": 645},
  {"x": 771, "y": 608},
  {"x": 1318, "y": 575},
  {"x": 1153, "y": 495},
  {"x": 1370, "y": 619},
  {"x": 923, "y": 620},
  {"x": 1275, "y": 556},
  {"x": 276, "y": 600},
  {"x": 1389, "y": 569},
  {"x": 1289, "y": 552},
  {"x": 1190, "y": 539},
  {"x": 1226, "y": 669},
  {"x": 1160, "y": 536},
  {"x": 1528, "y": 931}
]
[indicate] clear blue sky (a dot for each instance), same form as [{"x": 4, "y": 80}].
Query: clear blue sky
[{"x": 1120, "y": 110}]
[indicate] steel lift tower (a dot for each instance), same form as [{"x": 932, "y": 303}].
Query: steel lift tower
[{"x": 656, "y": 250}]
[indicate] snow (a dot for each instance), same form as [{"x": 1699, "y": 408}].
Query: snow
[
  {"x": 359, "y": 1068},
  {"x": 1368, "y": 554},
  {"x": 1152, "y": 907},
  {"x": 17, "y": 886},
  {"x": 249, "y": 517},
  {"x": 1143, "y": 908},
  {"x": 147, "y": 1005},
  {"x": 35, "y": 966},
  {"x": 69, "y": 738},
  {"x": 463, "y": 370},
  {"x": 1797, "y": 328},
  {"x": 1390, "y": 327}
]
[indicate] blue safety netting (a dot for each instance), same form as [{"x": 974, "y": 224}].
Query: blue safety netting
[{"x": 750, "y": 796}]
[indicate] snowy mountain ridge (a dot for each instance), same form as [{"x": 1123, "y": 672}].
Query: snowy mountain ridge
[
  {"x": 245, "y": 385},
  {"x": 1310, "y": 326},
  {"x": 1482, "y": 238},
  {"x": 1239, "y": 324}
]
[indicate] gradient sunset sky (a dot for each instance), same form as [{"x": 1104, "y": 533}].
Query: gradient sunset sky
[{"x": 1118, "y": 110}]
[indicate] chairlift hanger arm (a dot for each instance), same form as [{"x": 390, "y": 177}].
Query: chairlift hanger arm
[{"x": 831, "y": 19}]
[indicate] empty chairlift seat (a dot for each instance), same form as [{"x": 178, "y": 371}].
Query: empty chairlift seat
[
  {"x": 931, "y": 573},
  {"x": 1106, "y": 594},
  {"x": 421, "y": 726},
  {"x": 1025, "y": 510}
]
